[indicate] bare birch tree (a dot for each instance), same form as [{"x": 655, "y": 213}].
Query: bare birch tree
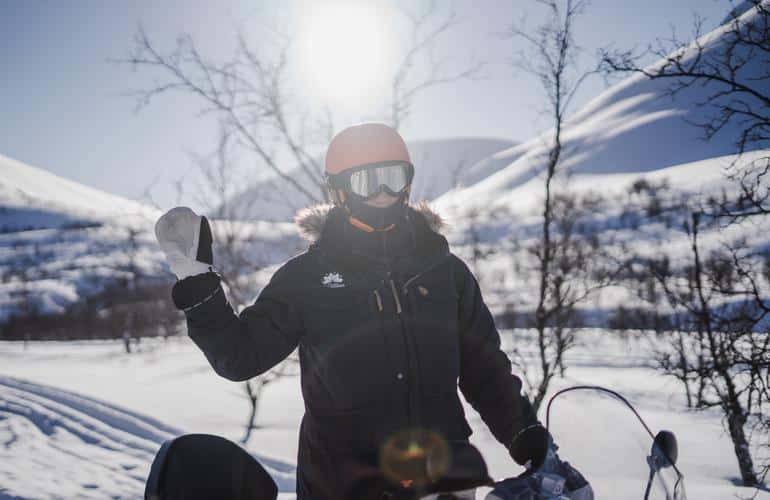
[
  {"x": 722, "y": 294},
  {"x": 551, "y": 60},
  {"x": 247, "y": 93},
  {"x": 719, "y": 349}
]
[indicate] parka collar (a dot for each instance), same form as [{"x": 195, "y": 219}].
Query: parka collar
[
  {"x": 311, "y": 221},
  {"x": 323, "y": 225}
]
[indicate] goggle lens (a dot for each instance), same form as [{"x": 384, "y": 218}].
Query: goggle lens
[{"x": 369, "y": 181}]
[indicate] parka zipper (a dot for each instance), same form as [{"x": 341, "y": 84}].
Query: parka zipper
[{"x": 412, "y": 387}]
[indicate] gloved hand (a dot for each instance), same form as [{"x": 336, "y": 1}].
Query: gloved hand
[
  {"x": 553, "y": 480},
  {"x": 575, "y": 486},
  {"x": 530, "y": 446},
  {"x": 185, "y": 238}
]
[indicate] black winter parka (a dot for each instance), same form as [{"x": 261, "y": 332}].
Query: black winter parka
[{"x": 383, "y": 343}]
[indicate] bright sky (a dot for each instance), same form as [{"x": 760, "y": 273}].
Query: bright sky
[{"x": 62, "y": 109}]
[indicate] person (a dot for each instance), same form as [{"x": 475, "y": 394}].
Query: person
[{"x": 387, "y": 320}]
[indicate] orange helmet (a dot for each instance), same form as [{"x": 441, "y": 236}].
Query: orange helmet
[{"x": 364, "y": 143}]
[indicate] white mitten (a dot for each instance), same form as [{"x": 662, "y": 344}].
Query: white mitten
[{"x": 185, "y": 238}]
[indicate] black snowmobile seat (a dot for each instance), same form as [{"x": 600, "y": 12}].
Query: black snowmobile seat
[{"x": 204, "y": 467}]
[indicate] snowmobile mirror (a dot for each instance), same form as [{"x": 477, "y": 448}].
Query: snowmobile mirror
[{"x": 665, "y": 449}]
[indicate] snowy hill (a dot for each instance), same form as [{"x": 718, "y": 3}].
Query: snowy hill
[
  {"x": 33, "y": 198},
  {"x": 633, "y": 131},
  {"x": 440, "y": 165},
  {"x": 632, "y": 128},
  {"x": 63, "y": 244}
]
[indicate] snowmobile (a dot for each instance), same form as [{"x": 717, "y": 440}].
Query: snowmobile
[{"x": 201, "y": 466}]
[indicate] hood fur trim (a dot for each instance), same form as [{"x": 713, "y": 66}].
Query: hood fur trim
[{"x": 310, "y": 221}]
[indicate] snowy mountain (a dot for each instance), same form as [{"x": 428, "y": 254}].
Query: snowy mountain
[
  {"x": 633, "y": 127},
  {"x": 635, "y": 130},
  {"x": 440, "y": 165}
]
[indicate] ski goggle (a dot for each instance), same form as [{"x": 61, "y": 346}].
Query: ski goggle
[{"x": 366, "y": 181}]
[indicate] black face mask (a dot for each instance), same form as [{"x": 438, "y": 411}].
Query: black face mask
[{"x": 378, "y": 217}]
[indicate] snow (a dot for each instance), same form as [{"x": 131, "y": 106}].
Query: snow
[
  {"x": 739, "y": 10},
  {"x": 632, "y": 131},
  {"x": 62, "y": 242},
  {"x": 31, "y": 193},
  {"x": 84, "y": 419},
  {"x": 439, "y": 163},
  {"x": 50, "y": 270},
  {"x": 621, "y": 225},
  {"x": 96, "y": 449}
]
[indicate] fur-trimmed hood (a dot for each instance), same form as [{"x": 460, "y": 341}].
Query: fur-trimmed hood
[{"x": 310, "y": 221}]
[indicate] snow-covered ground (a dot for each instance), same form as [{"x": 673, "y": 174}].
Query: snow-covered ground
[{"x": 84, "y": 419}]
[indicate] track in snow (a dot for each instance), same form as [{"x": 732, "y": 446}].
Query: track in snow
[{"x": 59, "y": 444}]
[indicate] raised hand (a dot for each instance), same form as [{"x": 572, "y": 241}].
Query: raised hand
[{"x": 185, "y": 238}]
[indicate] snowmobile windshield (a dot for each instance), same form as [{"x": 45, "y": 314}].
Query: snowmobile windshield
[{"x": 601, "y": 434}]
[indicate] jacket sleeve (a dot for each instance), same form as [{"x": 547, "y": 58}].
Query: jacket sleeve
[
  {"x": 239, "y": 347},
  {"x": 486, "y": 380}
]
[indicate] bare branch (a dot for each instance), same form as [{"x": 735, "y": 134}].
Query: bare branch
[{"x": 423, "y": 38}]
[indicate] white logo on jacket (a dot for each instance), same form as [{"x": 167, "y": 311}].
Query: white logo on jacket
[{"x": 333, "y": 280}]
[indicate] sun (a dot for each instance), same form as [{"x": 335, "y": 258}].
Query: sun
[{"x": 345, "y": 48}]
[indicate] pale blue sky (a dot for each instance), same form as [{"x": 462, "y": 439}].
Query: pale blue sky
[{"x": 61, "y": 108}]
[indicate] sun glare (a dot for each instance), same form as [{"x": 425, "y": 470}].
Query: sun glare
[{"x": 345, "y": 48}]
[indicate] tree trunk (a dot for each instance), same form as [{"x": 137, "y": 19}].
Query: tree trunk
[
  {"x": 254, "y": 395},
  {"x": 542, "y": 389},
  {"x": 735, "y": 421},
  {"x": 685, "y": 370}
]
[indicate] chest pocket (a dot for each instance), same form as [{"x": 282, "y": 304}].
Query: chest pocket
[
  {"x": 343, "y": 336},
  {"x": 435, "y": 306}
]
